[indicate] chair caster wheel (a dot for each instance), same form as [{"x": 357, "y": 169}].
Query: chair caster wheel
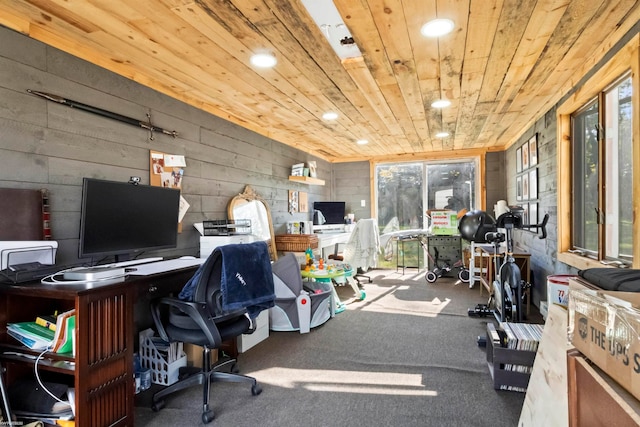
[
  {"x": 363, "y": 295},
  {"x": 256, "y": 390},
  {"x": 234, "y": 368},
  {"x": 207, "y": 417},
  {"x": 156, "y": 406}
]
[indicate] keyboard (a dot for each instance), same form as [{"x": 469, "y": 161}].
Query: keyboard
[{"x": 164, "y": 266}]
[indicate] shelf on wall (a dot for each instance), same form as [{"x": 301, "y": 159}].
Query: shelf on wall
[{"x": 306, "y": 180}]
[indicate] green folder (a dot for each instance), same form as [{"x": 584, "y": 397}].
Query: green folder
[{"x": 69, "y": 330}]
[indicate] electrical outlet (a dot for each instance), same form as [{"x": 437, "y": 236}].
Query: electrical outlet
[{"x": 363, "y": 203}]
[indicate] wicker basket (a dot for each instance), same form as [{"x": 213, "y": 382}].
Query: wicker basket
[{"x": 296, "y": 242}]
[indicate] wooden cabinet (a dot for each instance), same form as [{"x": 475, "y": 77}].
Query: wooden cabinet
[{"x": 102, "y": 370}]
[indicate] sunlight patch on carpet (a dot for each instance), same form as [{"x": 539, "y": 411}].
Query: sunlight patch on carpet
[{"x": 345, "y": 381}]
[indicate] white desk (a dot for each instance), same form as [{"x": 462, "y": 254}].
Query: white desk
[{"x": 328, "y": 241}]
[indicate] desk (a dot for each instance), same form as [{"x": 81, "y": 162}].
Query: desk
[
  {"x": 487, "y": 275},
  {"x": 329, "y": 241},
  {"x": 102, "y": 372}
]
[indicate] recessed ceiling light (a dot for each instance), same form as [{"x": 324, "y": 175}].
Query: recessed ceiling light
[
  {"x": 330, "y": 115},
  {"x": 362, "y": 142},
  {"x": 437, "y": 28},
  {"x": 442, "y": 134},
  {"x": 441, "y": 103},
  {"x": 264, "y": 60}
]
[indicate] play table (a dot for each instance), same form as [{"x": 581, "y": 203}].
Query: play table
[{"x": 337, "y": 275}]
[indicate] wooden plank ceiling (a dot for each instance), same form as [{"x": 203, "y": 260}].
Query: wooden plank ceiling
[{"x": 505, "y": 64}]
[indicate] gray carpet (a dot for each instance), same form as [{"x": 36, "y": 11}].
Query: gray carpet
[{"x": 405, "y": 356}]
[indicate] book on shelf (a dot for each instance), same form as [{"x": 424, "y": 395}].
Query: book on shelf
[
  {"x": 32, "y": 335},
  {"x": 38, "y": 337},
  {"x": 48, "y": 321}
]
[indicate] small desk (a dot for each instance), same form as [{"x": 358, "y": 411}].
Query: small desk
[
  {"x": 487, "y": 275},
  {"x": 330, "y": 240},
  {"x": 400, "y": 241},
  {"x": 102, "y": 370}
]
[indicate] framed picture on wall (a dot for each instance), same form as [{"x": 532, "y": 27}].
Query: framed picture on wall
[
  {"x": 525, "y": 186},
  {"x": 525, "y": 156},
  {"x": 533, "y": 214},
  {"x": 519, "y": 160},
  {"x": 525, "y": 213},
  {"x": 519, "y": 188},
  {"x": 533, "y": 183},
  {"x": 533, "y": 150}
]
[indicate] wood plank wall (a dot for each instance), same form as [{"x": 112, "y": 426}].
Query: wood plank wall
[
  {"x": 543, "y": 252},
  {"x": 47, "y": 145}
]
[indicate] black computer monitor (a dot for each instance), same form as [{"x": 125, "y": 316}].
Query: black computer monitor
[
  {"x": 120, "y": 219},
  {"x": 333, "y": 212}
]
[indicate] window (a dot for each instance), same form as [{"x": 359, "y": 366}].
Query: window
[
  {"x": 596, "y": 164},
  {"x": 603, "y": 130},
  {"x": 405, "y": 191}
]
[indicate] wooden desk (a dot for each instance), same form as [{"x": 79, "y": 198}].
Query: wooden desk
[
  {"x": 327, "y": 242},
  {"x": 102, "y": 370},
  {"x": 486, "y": 268}
]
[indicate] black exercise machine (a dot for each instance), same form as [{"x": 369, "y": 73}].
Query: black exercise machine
[{"x": 507, "y": 290}]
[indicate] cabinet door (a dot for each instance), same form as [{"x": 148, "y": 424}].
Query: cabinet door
[{"x": 104, "y": 358}]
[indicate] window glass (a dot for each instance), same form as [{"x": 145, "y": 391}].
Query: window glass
[
  {"x": 399, "y": 195},
  {"x": 404, "y": 191},
  {"x": 450, "y": 186},
  {"x": 585, "y": 177},
  {"x": 619, "y": 173},
  {"x": 602, "y": 190}
]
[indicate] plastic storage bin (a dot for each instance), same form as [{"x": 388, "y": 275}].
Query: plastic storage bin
[{"x": 162, "y": 371}]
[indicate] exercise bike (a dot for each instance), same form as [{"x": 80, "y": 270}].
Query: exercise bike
[{"x": 507, "y": 290}]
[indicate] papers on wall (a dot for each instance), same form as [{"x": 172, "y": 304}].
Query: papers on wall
[{"x": 184, "y": 207}]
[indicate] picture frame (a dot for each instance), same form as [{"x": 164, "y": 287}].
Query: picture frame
[
  {"x": 313, "y": 169},
  {"x": 525, "y": 213},
  {"x": 533, "y": 214},
  {"x": 519, "y": 160},
  {"x": 519, "y": 188},
  {"x": 533, "y": 183},
  {"x": 533, "y": 150},
  {"x": 297, "y": 169},
  {"x": 525, "y": 156},
  {"x": 525, "y": 186}
]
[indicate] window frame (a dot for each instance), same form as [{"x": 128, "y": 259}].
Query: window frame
[{"x": 624, "y": 61}]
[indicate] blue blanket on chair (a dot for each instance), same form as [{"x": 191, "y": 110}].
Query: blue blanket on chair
[{"x": 246, "y": 278}]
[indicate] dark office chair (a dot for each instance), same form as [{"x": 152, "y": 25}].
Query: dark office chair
[{"x": 218, "y": 304}]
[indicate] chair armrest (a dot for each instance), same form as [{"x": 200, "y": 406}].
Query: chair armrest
[{"x": 196, "y": 311}]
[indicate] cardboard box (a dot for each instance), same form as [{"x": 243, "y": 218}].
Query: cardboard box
[
  {"x": 605, "y": 327},
  {"x": 194, "y": 355}
]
